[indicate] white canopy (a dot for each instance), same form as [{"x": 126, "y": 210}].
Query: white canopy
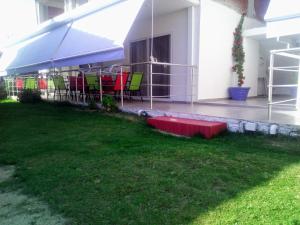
[{"x": 89, "y": 37}]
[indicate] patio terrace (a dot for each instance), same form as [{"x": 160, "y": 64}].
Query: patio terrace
[{"x": 235, "y": 113}]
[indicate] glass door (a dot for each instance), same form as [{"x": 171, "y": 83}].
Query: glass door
[
  {"x": 161, "y": 53},
  {"x": 140, "y": 52}
]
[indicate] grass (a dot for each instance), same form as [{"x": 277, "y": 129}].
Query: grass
[{"x": 95, "y": 168}]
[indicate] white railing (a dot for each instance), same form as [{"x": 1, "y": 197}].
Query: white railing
[
  {"x": 181, "y": 77},
  {"x": 292, "y": 53}
]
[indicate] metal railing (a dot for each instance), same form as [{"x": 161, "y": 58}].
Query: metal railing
[
  {"x": 189, "y": 75},
  {"x": 180, "y": 76},
  {"x": 292, "y": 53}
]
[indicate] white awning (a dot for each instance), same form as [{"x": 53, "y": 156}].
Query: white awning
[
  {"x": 90, "y": 38},
  {"x": 33, "y": 54}
]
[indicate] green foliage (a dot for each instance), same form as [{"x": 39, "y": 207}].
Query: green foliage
[
  {"x": 238, "y": 52},
  {"x": 3, "y": 94},
  {"x": 108, "y": 170},
  {"x": 30, "y": 96},
  {"x": 109, "y": 104}
]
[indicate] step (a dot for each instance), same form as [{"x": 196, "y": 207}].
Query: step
[{"x": 187, "y": 127}]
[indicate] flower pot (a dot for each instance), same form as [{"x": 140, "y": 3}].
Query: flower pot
[{"x": 238, "y": 93}]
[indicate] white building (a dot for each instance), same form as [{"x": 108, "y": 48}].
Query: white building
[{"x": 191, "y": 32}]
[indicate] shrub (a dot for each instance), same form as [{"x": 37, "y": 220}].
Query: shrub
[
  {"x": 109, "y": 104},
  {"x": 30, "y": 96},
  {"x": 93, "y": 105}
]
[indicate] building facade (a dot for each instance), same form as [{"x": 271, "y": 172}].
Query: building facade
[{"x": 189, "y": 32}]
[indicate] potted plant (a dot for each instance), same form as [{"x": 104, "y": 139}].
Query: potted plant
[{"x": 239, "y": 93}]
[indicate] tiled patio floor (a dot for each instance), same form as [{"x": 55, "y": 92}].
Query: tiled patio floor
[{"x": 254, "y": 109}]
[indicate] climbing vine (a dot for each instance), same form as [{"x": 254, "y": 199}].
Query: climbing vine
[{"x": 238, "y": 52}]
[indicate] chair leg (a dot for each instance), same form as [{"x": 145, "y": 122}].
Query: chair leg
[
  {"x": 130, "y": 98},
  {"x": 141, "y": 95}
]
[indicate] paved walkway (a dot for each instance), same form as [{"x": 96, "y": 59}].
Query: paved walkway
[
  {"x": 253, "y": 110},
  {"x": 19, "y": 209}
]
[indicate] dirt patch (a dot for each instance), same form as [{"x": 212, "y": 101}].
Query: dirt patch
[{"x": 19, "y": 209}]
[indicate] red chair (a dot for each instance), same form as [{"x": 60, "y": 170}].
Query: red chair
[
  {"x": 118, "y": 87},
  {"x": 107, "y": 84},
  {"x": 43, "y": 84},
  {"x": 19, "y": 83},
  {"x": 72, "y": 80}
]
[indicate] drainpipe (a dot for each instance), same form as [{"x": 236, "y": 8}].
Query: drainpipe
[
  {"x": 298, "y": 90},
  {"x": 191, "y": 51},
  {"x": 151, "y": 55}
]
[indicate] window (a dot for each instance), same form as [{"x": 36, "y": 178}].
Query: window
[
  {"x": 138, "y": 53},
  {"x": 48, "y": 9}
]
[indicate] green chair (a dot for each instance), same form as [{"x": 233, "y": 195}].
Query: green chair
[
  {"x": 135, "y": 84},
  {"x": 92, "y": 81},
  {"x": 92, "y": 84},
  {"x": 59, "y": 86},
  {"x": 30, "y": 83},
  {"x": 50, "y": 84}
]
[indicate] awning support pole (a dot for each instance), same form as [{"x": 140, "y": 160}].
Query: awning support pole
[
  {"x": 151, "y": 52},
  {"x": 151, "y": 86},
  {"x": 192, "y": 85},
  {"x": 12, "y": 86},
  {"x": 47, "y": 90},
  {"x": 76, "y": 88},
  {"x": 270, "y": 94},
  {"x": 298, "y": 90},
  {"x": 122, "y": 93},
  {"x": 17, "y": 90},
  {"x": 100, "y": 85},
  {"x": 7, "y": 86},
  {"x": 83, "y": 88}
]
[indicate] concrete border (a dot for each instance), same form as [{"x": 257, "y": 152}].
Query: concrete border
[{"x": 233, "y": 125}]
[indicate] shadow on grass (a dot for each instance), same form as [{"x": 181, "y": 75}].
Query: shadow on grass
[{"x": 99, "y": 169}]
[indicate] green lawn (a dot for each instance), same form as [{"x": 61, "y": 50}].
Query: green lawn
[{"x": 99, "y": 169}]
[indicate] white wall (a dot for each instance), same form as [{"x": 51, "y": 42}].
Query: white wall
[
  {"x": 175, "y": 24},
  {"x": 217, "y": 24},
  {"x": 251, "y": 65},
  {"x": 16, "y": 18}
]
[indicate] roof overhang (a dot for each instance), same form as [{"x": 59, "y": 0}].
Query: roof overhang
[
  {"x": 283, "y": 18},
  {"x": 283, "y": 27},
  {"x": 279, "y": 10}
]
